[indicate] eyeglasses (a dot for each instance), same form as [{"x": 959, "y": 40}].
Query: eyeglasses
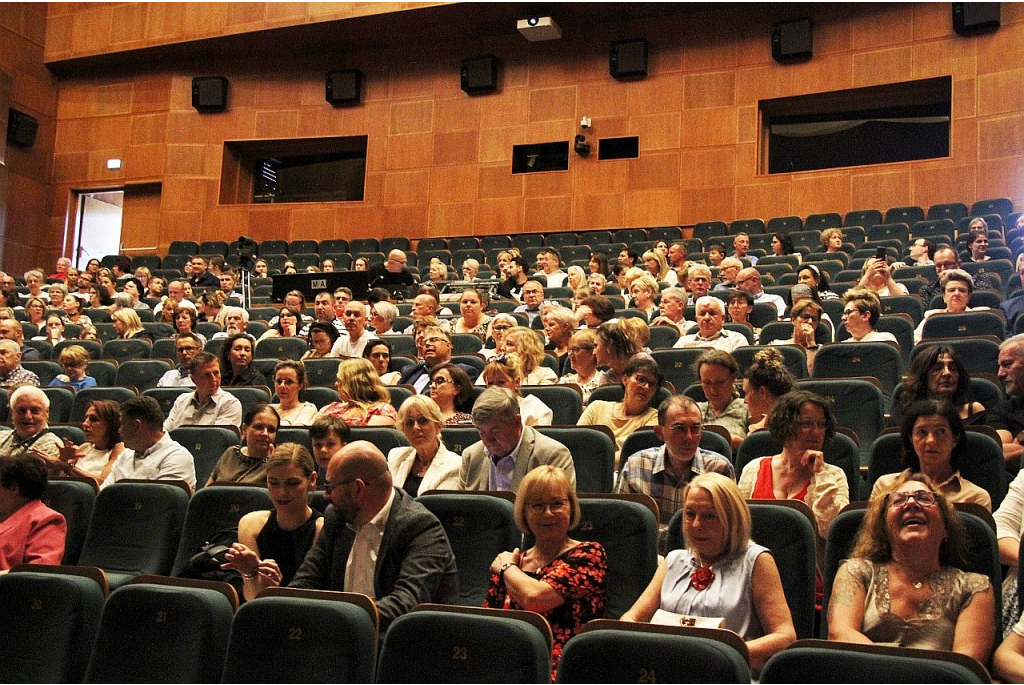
[
  {"x": 329, "y": 487},
  {"x": 556, "y": 507},
  {"x": 179, "y": 350},
  {"x": 808, "y": 424},
  {"x": 500, "y": 328},
  {"x": 420, "y": 421},
  {"x": 438, "y": 382},
  {"x": 925, "y": 498},
  {"x": 581, "y": 348},
  {"x": 681, "y": 428},
  {"x": 642, "y": 380},
  {"x": 945, "y": 265},
  {"x": 851, "y": 312}
]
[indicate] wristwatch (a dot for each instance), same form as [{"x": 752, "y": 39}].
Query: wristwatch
[{"x": 505, "y": 567}]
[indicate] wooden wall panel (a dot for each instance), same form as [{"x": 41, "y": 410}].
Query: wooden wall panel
[{"x": 438, "y": 160}]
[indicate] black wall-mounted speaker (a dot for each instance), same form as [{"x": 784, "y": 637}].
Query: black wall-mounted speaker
[
  {"x": 480, "y": 74},
  {"x": 627, "y": 59},
  {"x": 21, "y": 128},
  {"x": 973, "y": 18},
  {"x": 344, "y": 87},
  {"x": 792, "y": 41},
  {"x": 210, "y": 93}
]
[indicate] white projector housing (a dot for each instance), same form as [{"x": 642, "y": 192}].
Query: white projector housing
[{"x": 537, "y": 29}]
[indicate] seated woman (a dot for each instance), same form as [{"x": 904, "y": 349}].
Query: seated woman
[
  {"x": 596, "y": 283},
  {"x": 525, "y": 344},
  {"x": 379, "y": 354},
  {"x": 812, "y": 275},
  {"x": 977, "y": 243},
  {"x": 211, "y": 307},
  {"x": 452, "y": 390},
  {"x": 876, "y": 276},
  {"x": 782, "y": 245},
  {"x": 934, "y": 443},
  {"x": 802, "y": 423},
  {"x": 289, "y": 382},
  {"x": 438, "y": 271},
  {"x": 53, "y": 331},
  {"x": 35, "y": 310},
  {"x": 559, "y": 323},
  {"x": 575, "y": 278},
  {"x": 363, "y": 399},
  {"x": 288, "y": 323},
  {"x": 598, "y": 264},
  {"x": 721, "y": 573},
  {"x": 902, "y": 586},
  {"x": 938, "y": 373},
  {"x": 133, "y": 288},
  {"x": 73, "y": 308},
  {"x": 272, "y": 544},
  {"x": 185, "y": 321},
  {"x": 31, "y": 532},
  {"x": 75, "y": 360},
  {"x": 717, "y": 371},
  {"x": 832, "y": 240},
  {"x": 382, "y": 315},
  {"x": 426, "y": 464},
  {"x": 806, "y": 315},
  {"x": 766, "y": 381},
  {"x": 640, "y": 382},
  {"x": 657, "y": 266},
  {"x": 956, "y": 286},
  {"x": 860, "y": 316},
  {"x": 506, "y": 371},
  {"x": 248, "y": 463},
  {"x": 128, "y": 326},
  {"x": 583, "y": 362},
  {"x": 236, "y": 365},
  {"x": 320, "y": 338},
  {"x": 560, "y": 578},
  {"x": 499, "y": 325},
  {"x": 473, "y": 302},
  {"x": 642, "y": 292},
  {"x": 740, "y": 307},
  {"x": 95, "y": 457},
  {"x": 615, "y": 349}
]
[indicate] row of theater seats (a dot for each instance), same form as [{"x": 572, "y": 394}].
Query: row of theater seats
[{"x": 196, "y": 633}]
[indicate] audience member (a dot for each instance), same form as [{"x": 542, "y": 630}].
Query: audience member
[
  {"x": 236, "y": 357},
  {"x": 937, "y": 373},
  {"x": 583, "y": 363},
  {"x": 426, "y": 464},
  {"x": 641, "y": 380},
  {"x": 30, "y": 415},
  {"x": 74, "y": 360},
  {"x": 711, "y": 331},
  {"x": 327, "y": 435},
  {"x": 31, "y": 532},
  {"x": 506, "y": 371},
  {"x": 717, "y": 371},
  {"x": 247, "y": 463},
  {"x": 861, "y": 314},
  {"x": 765, "y": 382},
  {"x": 208, "y": 404},
  {"x": 95, "y": 457},
  {"x": 150, "y": 453},
  {"x": 452, "y": 391},
  {"x": 363, "y": 399},
  {"x": 185, "y": 347},
  {"x": 289, "y": 382}
]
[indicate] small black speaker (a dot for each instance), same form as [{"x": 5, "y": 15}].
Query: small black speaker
[
  {"x": 627, "y": 59},
  {"x": 792, "y": 41},
  {"x": 344, "y": 87},
  {"x": 210, "y": 93},
  {"x": 21, "y": 128},
  {"x": 480, "y": 75},
  {"x": 973, "y": 18}
]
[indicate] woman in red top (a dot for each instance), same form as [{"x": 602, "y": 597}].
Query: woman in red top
[{"x": 30, "y": 532}]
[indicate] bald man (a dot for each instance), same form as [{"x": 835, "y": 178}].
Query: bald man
[
  {"x": 377, "y": 540},
  {"x": 391, "y": 272}
]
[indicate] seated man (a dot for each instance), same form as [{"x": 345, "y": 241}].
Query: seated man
[
  {"x": 208, "y": 404},
  {"x": 377, "y": 540},
  {"x": 711, "y": 331},
  {"x": 150, "y": 453},
  {"x": 10, "y": 329},
  {"x": 437, "y": 349},
  {"x": 392, "y": 272},
  {"x": 12, "y": 373},
  {"x": 663, "y": 472},
  {"x": 236, "y": 320},
  {"x": 30, "y": 414},
  {"x": 186, "y": 346},
  {"x": 507, "y": 449}
]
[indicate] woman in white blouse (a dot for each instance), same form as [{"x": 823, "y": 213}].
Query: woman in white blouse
[{"x": 426, "y": 464}]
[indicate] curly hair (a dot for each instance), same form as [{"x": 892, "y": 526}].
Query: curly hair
[
  {"x": 769, "y": 371},
  {"x": 529, "y": 348},
  {"x": 782, "y": 422},
  {"x": 358, "y": 382},
  {"x": 616, "y": 342},
  {"x": 827, "y": 234},
  {"x": 873, "y": 542}
]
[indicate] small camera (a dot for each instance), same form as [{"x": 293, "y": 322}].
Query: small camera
[{"x": 581, "y": 146}]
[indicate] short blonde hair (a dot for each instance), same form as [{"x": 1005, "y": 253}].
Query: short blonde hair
[
  {"x": 827, "y": 234},
  {"x": 528, "y": 346},
  {"x": 545, "y": 480},
  {"x": 75, "y": 355},
  {"x": 729, "y": 505},
  {"x": 424, "y": 405},
  {"x": 132, "y": 322}
]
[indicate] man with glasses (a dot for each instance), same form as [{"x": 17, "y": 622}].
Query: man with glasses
[
  {"x": 946, "y": 258},
  {"x": 85, "y": 279},
  {"x": 377, "y": 540},
  {"x": 391, "y": 272},
  {"x": 921, "y": 252},
  {"x": 533, "y": 296},
  {"x": 186, "y": 346},
  {"x": 507, "y": 450},
  {"x": 711, "y": 330},
  {"x": 437, "y": 349},
  {"x": 728, "y": 271},
  {"x": 663, "y": 472},
  {"x": 672, "y": 309},
  {"x": 749, "y": 279}
]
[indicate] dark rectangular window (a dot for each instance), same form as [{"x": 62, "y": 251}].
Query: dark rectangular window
[
  {"x": 896, "y": 122},
  {"x": 527, "y": 159},
  {"x": 619, "y": 148}
]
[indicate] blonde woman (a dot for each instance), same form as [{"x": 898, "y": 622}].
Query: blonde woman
[
  {"x": 506, "y": 372},
  {"x": 642, "y": 292},
  {"x": 657, "y": 266},
  {"x": 575, "y": 278},
  {"x": 426, "y": 464},
  {"x": 499, "y": 326},
  {"x": 363, "y": 399},
  {"x": 526, "y": 344},
  {"x": 832, "y": 240},
  {"x": 128, "y": 325}
]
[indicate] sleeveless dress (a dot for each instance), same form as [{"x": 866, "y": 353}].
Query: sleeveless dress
[{"x": 287, "y": 547}]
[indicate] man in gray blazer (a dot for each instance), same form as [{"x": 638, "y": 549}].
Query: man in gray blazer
[
  {"x": 370, "y": 518},
  {"x": 507, "y": 450}
]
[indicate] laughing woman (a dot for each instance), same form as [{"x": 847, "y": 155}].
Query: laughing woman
[{"x": 640, "y": 381}]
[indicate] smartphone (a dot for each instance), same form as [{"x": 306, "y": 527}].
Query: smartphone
[{"x": 880, "y": 253}]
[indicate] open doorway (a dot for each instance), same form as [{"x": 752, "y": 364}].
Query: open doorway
[{"x": 97, "y": 227}]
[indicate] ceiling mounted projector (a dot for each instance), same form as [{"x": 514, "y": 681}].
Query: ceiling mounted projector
[{"x": 536, "y": 29}]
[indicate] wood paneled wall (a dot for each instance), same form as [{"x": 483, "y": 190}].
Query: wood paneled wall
[{"x": 439, "y": 161}]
